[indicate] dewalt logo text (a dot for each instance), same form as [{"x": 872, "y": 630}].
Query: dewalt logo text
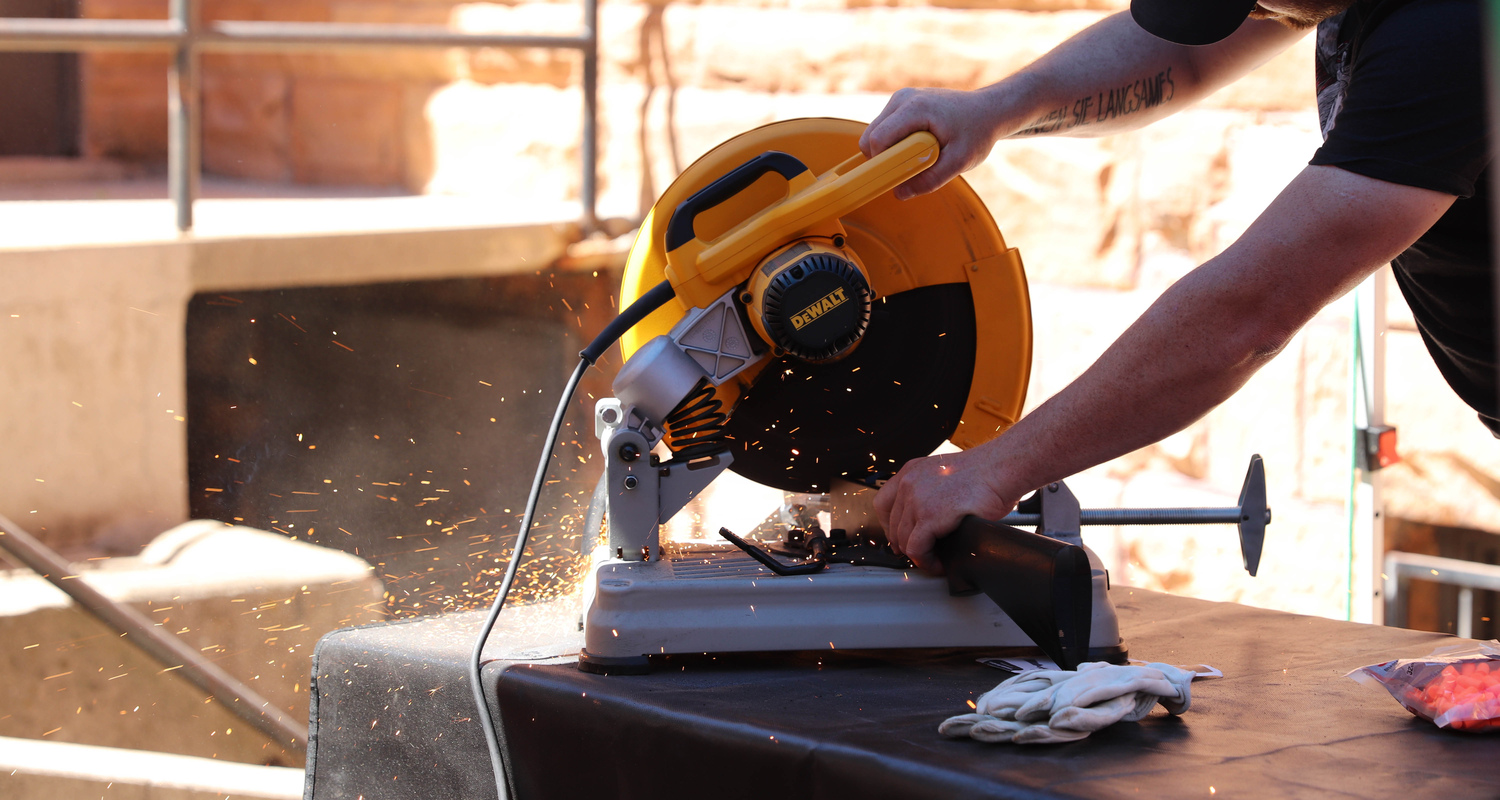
[{"x": 830, "y": 301}]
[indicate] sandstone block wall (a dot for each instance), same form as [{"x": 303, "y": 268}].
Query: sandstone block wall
[{"x": 367, "y": 117}]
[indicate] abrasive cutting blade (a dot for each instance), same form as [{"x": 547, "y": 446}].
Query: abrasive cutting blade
[{"x": 948, "y": 350}]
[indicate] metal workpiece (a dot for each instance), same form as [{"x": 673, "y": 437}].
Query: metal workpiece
[{"x": 850, "y": 506}]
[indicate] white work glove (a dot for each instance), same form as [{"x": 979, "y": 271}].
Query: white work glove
[
  {"x": 1012, "y": 693},
  {"x": 1047, "y": 706}
]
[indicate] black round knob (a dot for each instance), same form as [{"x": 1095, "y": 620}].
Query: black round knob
[{"x": 818, "y": 308}]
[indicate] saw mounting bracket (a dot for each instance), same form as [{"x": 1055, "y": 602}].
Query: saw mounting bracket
[{"x": 642, "y": 492}]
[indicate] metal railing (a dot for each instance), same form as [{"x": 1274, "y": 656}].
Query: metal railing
[
  {"x": 185, "y": 36},
  {"x": 1467, "y": 575}
]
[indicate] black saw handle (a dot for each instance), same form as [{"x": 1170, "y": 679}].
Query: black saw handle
[
  {"x": 680, "y": 227},
  {"x": 1044, "y": 585}
]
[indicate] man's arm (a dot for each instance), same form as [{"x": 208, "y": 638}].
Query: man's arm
[
  {"x": 1193, "y": 348},
  {"x": 1109, "y": 78}
]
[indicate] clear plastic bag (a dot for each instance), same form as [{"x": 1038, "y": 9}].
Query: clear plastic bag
[{"x": 1456, "y": 687}]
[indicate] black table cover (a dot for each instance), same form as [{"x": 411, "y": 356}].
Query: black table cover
[{"x": 1283, "y": 722}]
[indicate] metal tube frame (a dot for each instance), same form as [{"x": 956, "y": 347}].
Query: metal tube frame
[
  {"x": 1469, "y": 575},
  {"x": 186, "y": 37}
]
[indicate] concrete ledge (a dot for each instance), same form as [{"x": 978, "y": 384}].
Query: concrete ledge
[
  {"x": 198, "y": 560},
  {"x": 26, "y": 170},
  {"x": 56, "y": 770},
  {"x": 373, "y": 257}
]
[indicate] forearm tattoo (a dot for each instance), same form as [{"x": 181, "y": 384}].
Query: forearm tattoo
[{"x": 1131, "y": 98}]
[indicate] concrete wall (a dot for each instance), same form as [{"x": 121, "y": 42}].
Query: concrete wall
[
  {"x": 92, "y": 349},
  {"x": 93, "y": 382}
]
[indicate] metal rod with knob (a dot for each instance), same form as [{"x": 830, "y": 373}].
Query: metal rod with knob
[
  {"x": 1251, "y": 516},
  {"x": 1147, "y": 516}
]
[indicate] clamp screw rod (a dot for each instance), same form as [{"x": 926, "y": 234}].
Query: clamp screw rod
[
  {"x": 1144, "y": 516},
  {"x": 1251, "y": 516}
]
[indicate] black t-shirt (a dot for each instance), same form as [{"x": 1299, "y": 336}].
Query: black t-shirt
[{"x": 1401, "y": 96}]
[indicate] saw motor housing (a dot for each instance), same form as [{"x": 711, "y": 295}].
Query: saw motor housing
[{"x": 810, "y": 300}]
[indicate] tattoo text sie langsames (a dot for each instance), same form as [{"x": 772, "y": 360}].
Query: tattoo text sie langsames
[{"x": 1140, "y": 95}]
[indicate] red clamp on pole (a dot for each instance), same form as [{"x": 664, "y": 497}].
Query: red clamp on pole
[{"x": 1377, "y": 448}]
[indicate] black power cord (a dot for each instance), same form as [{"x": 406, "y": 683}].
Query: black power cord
[{"x": 643, "y": 306}]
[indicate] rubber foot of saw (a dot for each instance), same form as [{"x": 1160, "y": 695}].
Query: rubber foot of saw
[
  {"x": 613, "y": 665},
  {"x": 1118, "y": 654}
]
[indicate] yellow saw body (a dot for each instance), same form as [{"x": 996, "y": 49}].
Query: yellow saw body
[{"x": 841, "y": 207}]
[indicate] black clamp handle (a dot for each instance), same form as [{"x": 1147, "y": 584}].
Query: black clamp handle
[
  {"x": 680, "y": 227},
  {"x": 817, "y": 561},
  {"x": 1044, "y": 585}
]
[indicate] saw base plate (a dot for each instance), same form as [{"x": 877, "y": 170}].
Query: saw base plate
[{"x": 714, "y": 599}]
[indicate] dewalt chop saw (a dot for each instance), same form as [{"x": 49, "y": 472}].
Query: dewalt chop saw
[
  {"x": 785, "y": 317},
  {"x": 788, "y": 319},
  {"x": 821, "y": 334}
]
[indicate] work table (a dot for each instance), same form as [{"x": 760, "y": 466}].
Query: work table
[{"x": 393, "y": 718}]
